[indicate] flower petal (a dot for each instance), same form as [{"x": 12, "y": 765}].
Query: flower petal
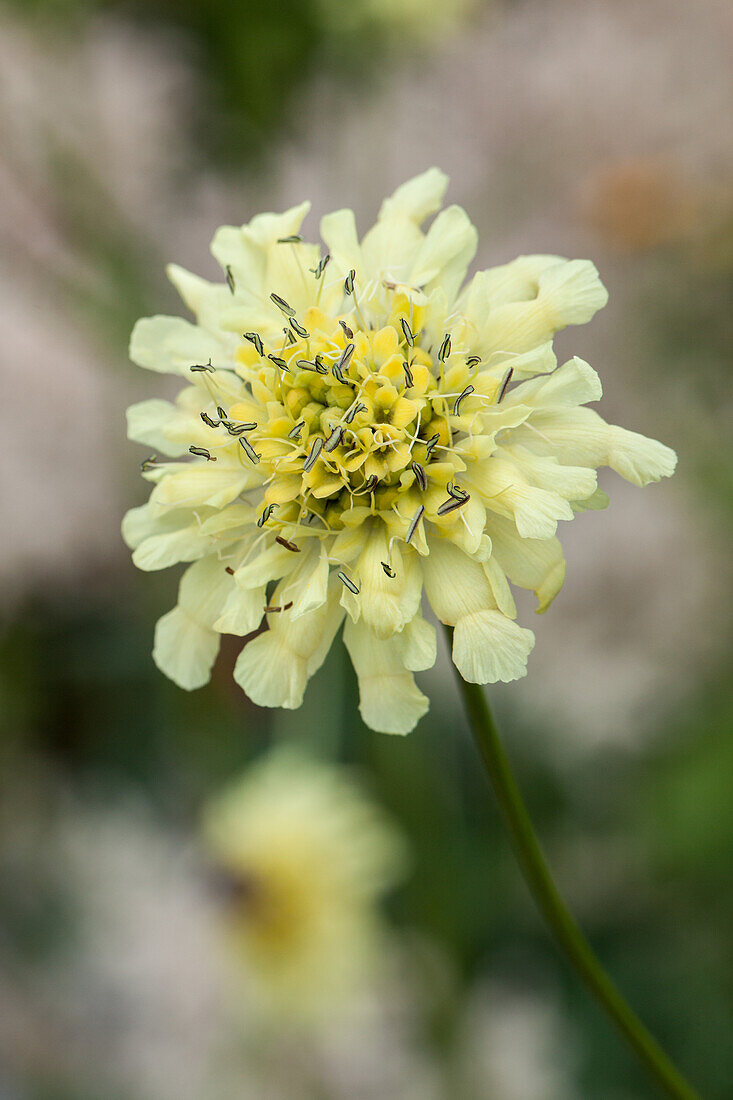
[
  {"x": 390, "y": 701},
  {"x": 455, "y": 584},
  {"x": 488, "y": 647},
  {"x": 172, "y": 345},
  {"x": 273, "y": 669}
]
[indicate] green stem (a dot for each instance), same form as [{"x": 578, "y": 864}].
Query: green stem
[{"x": 550, "y": 903}]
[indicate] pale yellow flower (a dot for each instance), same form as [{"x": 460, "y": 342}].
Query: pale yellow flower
[
  {"x": 309, "y": 856},
  {"x": 365, "y": 430}
]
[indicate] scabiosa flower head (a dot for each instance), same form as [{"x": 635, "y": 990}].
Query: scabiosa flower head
[
  {"x": 359, "y": 429},
  {"x": 307, "y": 856}
]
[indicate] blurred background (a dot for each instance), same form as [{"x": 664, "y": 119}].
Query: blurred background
[{"x": 128, "y": 133}]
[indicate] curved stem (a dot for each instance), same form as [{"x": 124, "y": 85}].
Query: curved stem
[{"x": 550, "y": 903}]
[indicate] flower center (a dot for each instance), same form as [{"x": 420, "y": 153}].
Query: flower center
[{"x": 355, "y": 415}]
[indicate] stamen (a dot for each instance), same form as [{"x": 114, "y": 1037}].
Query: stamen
[
  {"x": 305, "y": 364},
  {"x": 293, "y": 239},
  {"x": 200, "y": 366},
  {"x": 345, "y": 357},
  {"x": 320, "y": 365},
  {"x": 149, "y": 462},
  {"x": 278, "y": 362},
  {"x": 409, "y": 380},
  {"x": 334, "y": 439},
  {"x": 282, "y": 305},
  {"x": 349, "y": 332},
  {"x": 473, "y": 360},
  {"x": 230, "y": 278},
  {"x": 452, "y": 503},
  {"x": 390, "y": 572},
  {"x": 371, "y": 483},
  {"x": 270, "y": 610},
  {"x": 349, "y": 282},
  {"x": 468, "y": 390},
  {"x": 313, "y": 454},
  {"x": 420, "y": 475},
  {"x": 287, "y": 544},
  {"x": 208, "y": 421},
  {"x": 339, "y": 376},
  {"x": 444, "y": 352},
  {"x": 236, "y": 428},
  {"x": 353, "y": 411},
  {"x": 266, "y": 515},
  {"x": 249, "y": 449},
  {"x": 431, "y": 443},
  {"x": 409, "y": 335},
  {"x": 201, "y": 452},
  {"x": 303, "y": 333},
  {"x": 414, "y": 522},
  {"x": 220, "y": 411},
  {"x": 256, "y": 340},
  {"x": 228, "y": 569},
  {"x": 347, "y": 581},
  {"x": 456, "y": 492},
  {"x": 504, "y": 384},
  {"x": 322, "y": 264},
  {"x": 295, "y": 432},
  {"x": 289, "y": 338}
]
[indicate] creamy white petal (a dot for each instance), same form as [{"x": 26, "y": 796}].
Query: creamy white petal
[
  {"x": 419, "y": 644},
  {"x": 418, "y": 197},
  {"x": 204, "y": 589},
  {"x": 186, "y": 644},
  {"x": 638, "y": 459},
  {"x": 162, "y": 551},
  {"x": 572, "y": 291},
  {"x": 242, "y": 612},
  {"x": 387, "y": 603},
  {"x": 270, "y": 564},
  {"x": 147, "y": 422},
  {"x": 537, "y": 564},
  {"x": 172, "y": 345},
  {"x": 545, "y": 472},
  {"x": 184, "y": 650},
  {"x": 574, "y": 383},
  {"x": 451, "y": 236},
  {"x": 143, "y": 522},
  {"x": 455, "y": 584},
  {"x": 270, "y": 673},
  {"x": 505, "y": 490},
  {"x": 500, "y": 589},
  {"x": 488, "y": 647},
  {"x": 568, "y": 293},
  {"x": 196, "y": 483},
  {"x": 516, "y": 281},
  {"x": 390, "y": 701},
  {"x": 308, "y": 584},
  {"x": 273, "y": 669},
  {"x": 339, "y": 232}
]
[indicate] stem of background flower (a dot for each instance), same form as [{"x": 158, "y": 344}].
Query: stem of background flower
[{"x": 550, "y": 903}]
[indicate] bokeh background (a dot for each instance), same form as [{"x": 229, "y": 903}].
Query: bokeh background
[{"x": 128, "y": 132}]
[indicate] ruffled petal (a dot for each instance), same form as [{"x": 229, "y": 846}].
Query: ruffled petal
[
  {"x": 387, "y": 603},
  {"x": 537, "y": 564},
  {"x": 417, "y": 198},
  {"x": 390, "y": 701},
  {"x": 186, "y": 643},
  {"x": 184, "y": 650},
  {"x": 172, "y": 345},
  {"x": 637, "y": 458},
  {"x": 455, "y": 584},
  {"x": 574, "y": 383},
  {"x": 273, "y": 669},
  {"x": 488, "y": 647}
]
